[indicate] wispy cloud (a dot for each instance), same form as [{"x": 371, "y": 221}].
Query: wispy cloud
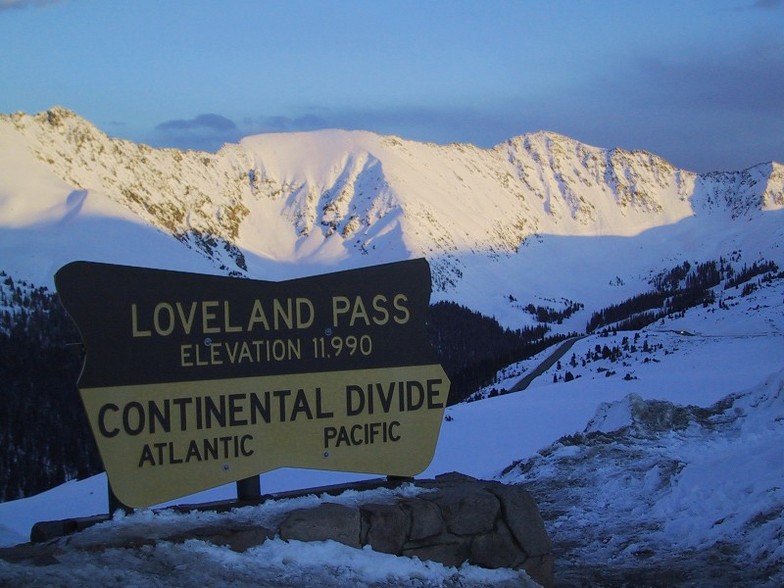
[
  {"x": 211, "y": 122},
  {"x": 205, "y": 132}
]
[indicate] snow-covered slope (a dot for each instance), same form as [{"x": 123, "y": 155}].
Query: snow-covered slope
[
  {"x": 283, "y": 205},
  {"x": 671, "y": 476},
  {"x": 47, "y": 221}
]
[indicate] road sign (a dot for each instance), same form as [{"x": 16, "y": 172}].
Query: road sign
[{"x": 191, "y": 381}]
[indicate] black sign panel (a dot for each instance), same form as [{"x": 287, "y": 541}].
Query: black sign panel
[{"x": 144, "y": 325}]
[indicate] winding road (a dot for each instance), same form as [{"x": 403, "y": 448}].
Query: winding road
[{"x": 549, "y": 361}]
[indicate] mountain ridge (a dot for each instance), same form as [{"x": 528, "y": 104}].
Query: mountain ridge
[{"x": 279, "y": 204}]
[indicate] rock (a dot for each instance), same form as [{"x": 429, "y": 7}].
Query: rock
[
  {"x": 522, "y": 516},
  {"x": 387, "y": 527},
  {"x": 541, "y": 569},
  {"x": 449, "y": 550},
  {"x": 426, "y": 519},
  {"x": 47, "y": 530},
  {"x": 497, "y": 549},
  {"x": 467, "y": 509},
  {"x": 327, "y": 521},
  {"x": 454, "y": 477},
  {"x": 237, "y": 539}
]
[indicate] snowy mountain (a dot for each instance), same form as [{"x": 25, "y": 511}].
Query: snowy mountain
[{"x": 285, "y": 205}]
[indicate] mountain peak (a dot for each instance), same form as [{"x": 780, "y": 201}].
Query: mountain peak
[
  {"x": 58, "y": 115},
  {"x": 57, "y": 119}
]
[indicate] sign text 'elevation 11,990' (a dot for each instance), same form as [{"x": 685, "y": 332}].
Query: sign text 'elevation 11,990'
[{"x": 191, "y": 381}]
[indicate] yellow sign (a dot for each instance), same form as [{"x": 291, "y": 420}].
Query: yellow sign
[{"x": 194, "y": 381}]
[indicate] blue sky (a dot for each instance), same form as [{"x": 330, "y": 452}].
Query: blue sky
[{"x": 700, "y": 83}]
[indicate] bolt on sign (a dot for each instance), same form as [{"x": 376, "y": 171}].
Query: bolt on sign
[{"x": 191, "y": 381}]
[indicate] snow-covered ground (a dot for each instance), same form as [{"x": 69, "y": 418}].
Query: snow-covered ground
[
  {"x": 687, "y": 495},
  {"x": 635, "y": 483}
]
